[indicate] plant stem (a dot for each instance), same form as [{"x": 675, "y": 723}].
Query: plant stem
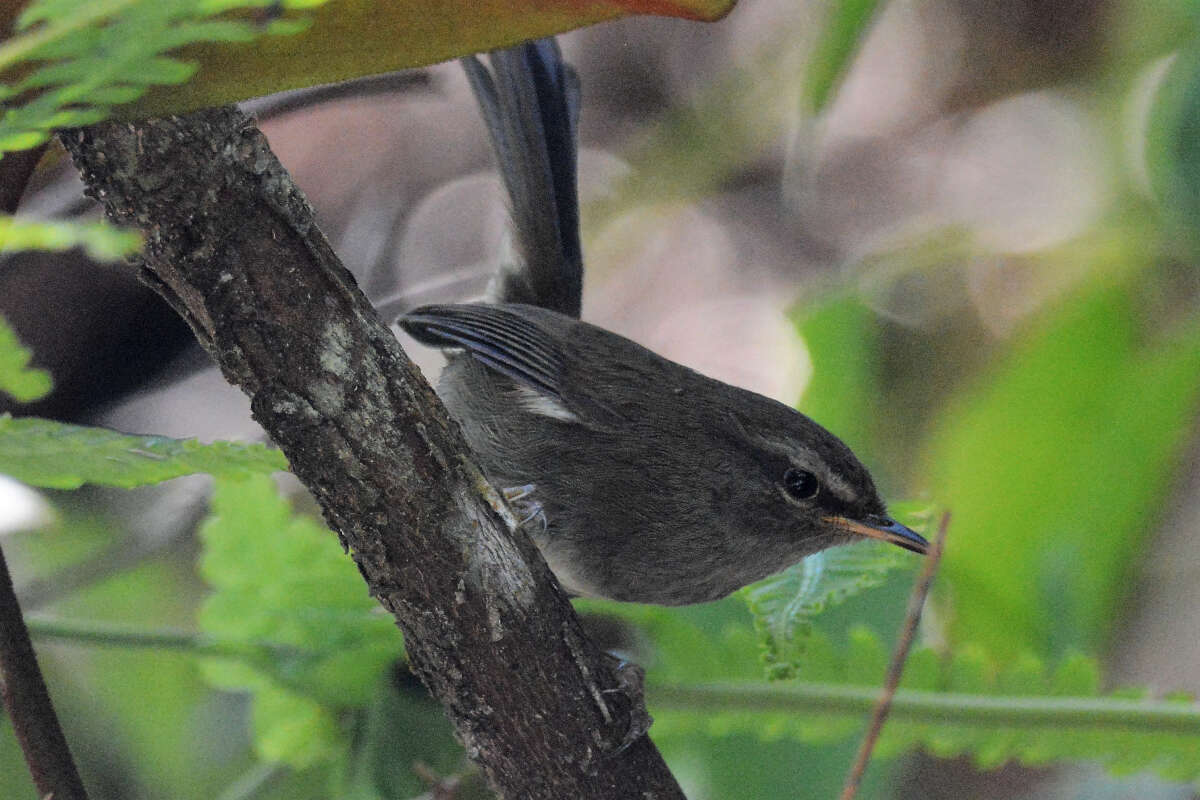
[
  {"x": 944, "y": 708},
  {"x": 916, "y": 602},
  {"x": 109, "y": 635},
  {"x": 23, "y": 691},
  {"x": 22, "y": 687}
]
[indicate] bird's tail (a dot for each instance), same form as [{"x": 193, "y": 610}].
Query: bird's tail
[{"x": 529, "y": 100}]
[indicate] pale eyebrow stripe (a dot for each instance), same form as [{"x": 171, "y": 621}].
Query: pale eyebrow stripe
[{"x": 831, "y": 482}]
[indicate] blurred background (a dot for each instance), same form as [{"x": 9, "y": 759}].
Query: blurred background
[{"x": 972, "y": 254}]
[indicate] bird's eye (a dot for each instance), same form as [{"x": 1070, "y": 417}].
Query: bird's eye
[{"x": 800, "y": 484}]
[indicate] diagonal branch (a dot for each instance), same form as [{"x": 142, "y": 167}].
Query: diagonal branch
[
  {"x": 908, "y": 631},
  {"x": 28, "y": 705},
  {"x": 232, "y": 245},
  {"x": 22, "y": 688}
]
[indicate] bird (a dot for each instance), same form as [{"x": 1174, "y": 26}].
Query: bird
[{"x": 638, "y": 479}]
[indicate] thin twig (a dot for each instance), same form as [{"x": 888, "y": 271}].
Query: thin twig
[
  {"x": 27, "y": 702},
  {"x": 22, "y": 687},
  {"x": 916, "y": 601}
]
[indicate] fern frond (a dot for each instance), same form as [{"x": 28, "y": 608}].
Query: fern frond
[
  {"x": 55, "y": 455},
  {"x": 74, "y": 60},
  {"x": 312, "y": 601},
  {"x": 784, "y": 604},
  {"x": 950, "y": 707},
  {"x": 17, "y": 379}
]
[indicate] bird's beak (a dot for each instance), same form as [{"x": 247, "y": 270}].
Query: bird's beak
[{"x": 885, "y": 529}]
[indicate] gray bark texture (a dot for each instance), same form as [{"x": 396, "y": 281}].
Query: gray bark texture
[{"x": 232, "y": 245}]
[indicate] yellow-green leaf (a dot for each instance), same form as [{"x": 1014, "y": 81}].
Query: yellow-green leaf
[
  {"x": 352, "y": 38},
  {"x": 54, "y": 455},
  {"x": 1055, "y": 465},
  {"x": 17, "y": 379},
  {"x": 101, "y": 240}
]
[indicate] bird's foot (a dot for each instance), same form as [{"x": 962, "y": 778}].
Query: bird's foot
[
  {"x": 631, "y": 680},
  {"x": 520, "y": 499}
]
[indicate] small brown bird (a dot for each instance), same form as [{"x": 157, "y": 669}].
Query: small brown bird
[{"x": 638, "y": 478}]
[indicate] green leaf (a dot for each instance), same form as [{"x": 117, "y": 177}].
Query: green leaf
[
  {"x": 1022, "y": 712},
  {"x": 102, "y": 241},
  {"x": 74, "y": 59},
  {"x": 282, "y": 579},
  {"x": 1055, "y": 465},
  {"x": 17, "y": 379},
  {"x": 293, "y": 729},
  {"x": 248, "y": 48},
  {"x": 152, "y": 702},
  {"x": 54, "y": 455},
  {"x": 709, "y": 641},
  {"x": 840, "y": 40},
  {"x": 842, "y": 338},
  {"x": 785, "y": 604}
]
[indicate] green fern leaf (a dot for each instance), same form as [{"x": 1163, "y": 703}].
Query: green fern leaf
[
  {"x": 17, "y": 379},
  {"x": 311, "y": 598},
  {"x": 54, "y": 455},
  {"x": 951, "y": 707},
  {"x": 785, "y": 604},
  {"x": 74, "y": 60}
]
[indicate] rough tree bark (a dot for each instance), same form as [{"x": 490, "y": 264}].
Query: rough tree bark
[{"x": 232, "y": 245}]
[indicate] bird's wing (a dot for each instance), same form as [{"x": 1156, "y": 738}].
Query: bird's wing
[{"x": 500, "y": 338}]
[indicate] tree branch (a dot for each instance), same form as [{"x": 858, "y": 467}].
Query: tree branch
[
  {"x": 28, "y": 704},
  {"x": 232, "y": 245},
  {"x": 22, "y": 687}
]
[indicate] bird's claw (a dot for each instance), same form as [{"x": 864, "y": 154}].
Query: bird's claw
[
  {"x": 631, "y": 684},
  {"x": 520, "y": 498}
]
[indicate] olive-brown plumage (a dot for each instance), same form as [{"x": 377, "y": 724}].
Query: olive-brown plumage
[{"x": 639, "y": 479}]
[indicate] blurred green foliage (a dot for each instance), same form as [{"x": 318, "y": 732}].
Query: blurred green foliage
[
  {"x": 1055, "y": 443},
  {"x": 56, "y": 455},
  {"x": 960, "y": 706},
  {"x": 784, "y": 605},
  {"x": 841, "y": 36},
  {"x": 1173, "y": 140},
  {"x": 1055, "y": 462},
  {"x": 17, "y": 379},
  {"x": 311, "y": 599},
  {"x": 100, "y": 240},
  {"x": 80, "y": 59},
  {"x": 842, "y": 337}
]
